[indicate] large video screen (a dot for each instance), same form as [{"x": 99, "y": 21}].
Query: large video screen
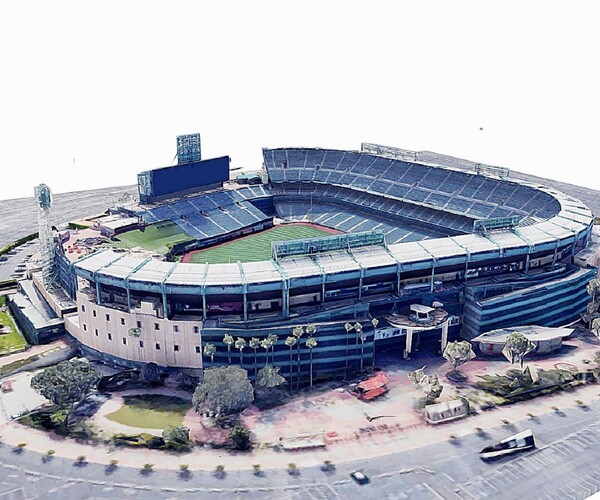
[{"x": 162, "y": 182}]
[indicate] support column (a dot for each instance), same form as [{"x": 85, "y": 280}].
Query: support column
[
  {"x": 527, "y": 263},
  {"x": 408, "y": 350},
  {"x": 555, "y": 255},
  {"x": 360, "y": 283},
  {"x": 98, "y": 293},
  {"x": 245, "y": 304},
  {"x": 165, "y": 306},
  {"x": 204, "y": 309},
  {"x": 286, "y": 300},
  {"x": 445, "y": 335},
  {"x": 432, "y": 278},
  {"x": 128, "y": 299},
  {"x": 398, "y": 285}
]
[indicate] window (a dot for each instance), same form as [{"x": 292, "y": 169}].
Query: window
[
  {"x": 82, "y": 308},
  {"x": 108, "y": 317},
  {"x": 94, "y": 312},
  {"x": 176, "y": 348},
  {"x": 157, "y": 346},
  {"x": 122, "y": 321},
  {"x": 139, "y": 324},
  {"x": 84, "y": 327},
  {"x": 110, "y": 336},
  {"x": 142, "y": 344},
  {"x": 96, "y": 331},
  {"x": 197, "y": 349},
  {"x": 196, "y": 329},
  {"x": 124, "y": 341},
  {"x": 176, "y": 328},
  {"x": 156, "y": 326}
]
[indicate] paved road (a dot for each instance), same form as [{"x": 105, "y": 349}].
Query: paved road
[{"x": 565, "y": 465}]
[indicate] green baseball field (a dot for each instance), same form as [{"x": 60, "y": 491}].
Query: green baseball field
[
  {"x": 257, "y": 246},
  {"x": 154, "y": 238}
]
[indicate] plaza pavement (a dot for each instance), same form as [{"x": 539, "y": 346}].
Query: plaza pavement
[{"x": 333, "y": 412}]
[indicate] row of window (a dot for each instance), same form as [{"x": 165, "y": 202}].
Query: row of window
[
  {"x": 139, "y": 323},
  {"x": 141, "y": 342}
]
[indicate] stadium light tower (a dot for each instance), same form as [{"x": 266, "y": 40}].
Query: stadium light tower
[{"x": 43, "y": 201}]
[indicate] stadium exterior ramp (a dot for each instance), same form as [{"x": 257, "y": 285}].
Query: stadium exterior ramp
[{"x": 132, "y": 310}]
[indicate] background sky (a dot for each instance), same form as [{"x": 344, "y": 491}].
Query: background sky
[{"x": 92, "y": 93}]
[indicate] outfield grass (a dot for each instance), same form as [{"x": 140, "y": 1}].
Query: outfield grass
[
  {"x": 257, "y": 246},
  {"x": 153, "y": 238},
  {"x": 153, "y": 411},
  {"x": 13, "y": 341}
]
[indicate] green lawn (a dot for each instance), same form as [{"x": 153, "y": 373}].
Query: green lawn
[
  {"x": 13, "y": 341},
  {"x": 153, "y": 238},
  {"x": 153, "y": 411},
  {"x": 257, "y": 246}
]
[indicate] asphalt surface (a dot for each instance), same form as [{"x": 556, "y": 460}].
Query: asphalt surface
[
  {"x": 19, "y": 216},
  {"x": 564, "y": 465}
]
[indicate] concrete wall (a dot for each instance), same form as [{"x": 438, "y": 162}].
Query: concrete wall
[{"x": 107, "y": 330}]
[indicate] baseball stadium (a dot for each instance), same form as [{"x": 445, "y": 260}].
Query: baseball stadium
[{"x": 372, "y": 248}]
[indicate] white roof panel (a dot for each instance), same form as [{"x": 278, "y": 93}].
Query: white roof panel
[
  {"x": 409, "y": 252},
  {"x": 443, "y": 247},
  {"x": 336, "y": 262},
  {"x": 187, "y": 274},
  {"x": 98, "y": 260},
  {"x": 153, "y": 271},
  {"x": 261, "y": 272},
  {"x": 299, "y": 267},
  {"x": 224, "y": 274},
  {"x": 373, "y": 257}
]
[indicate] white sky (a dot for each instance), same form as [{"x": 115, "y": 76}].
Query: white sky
[{"x": 91, "y": 94}]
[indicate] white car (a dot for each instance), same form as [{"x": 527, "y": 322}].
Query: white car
[{"x": 360, "y": 477}]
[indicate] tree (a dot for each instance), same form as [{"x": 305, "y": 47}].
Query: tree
[
  {"x": 458, "y": 353},
  {"x": 273, "y": 340},
  {"x": 150, "y": 372},
  {"x": 374, "y": 322},
  {"x": 269, "y": 377},
  {"x": 311, "y": 343},
  {"x": 240, "y": 343},
  {"x": 255, "y": 344},
  {"x": 266, "y": 345},
  {"x": 595, "y": 327},
  {"x": 176, "y": 435},
  {"x": 224, "y": 390},
  {"x": 240, "y": 437},
  {"x": 66, "y": 383},
  {"x": 228, "y": 341},
  {"x": 429, "y": 384},
  {"x": 291, "y": 342},
  {"x": 210, "y": 350},
  {"x": 297, "y": 332},
  {"x": 517, "y": 347}
]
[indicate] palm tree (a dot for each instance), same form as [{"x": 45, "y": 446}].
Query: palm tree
[
  {"x": 240, "y": 343},
  {"x": 310, "y": 343},
  {"x": 228, "y": 341},
  {"x": 362, "y": 337},
  {"x": 291, "y": 342},
  {"x": 310, "y": 329},
  {"x": 273, "y": 339},
  {"x": 266, "y": 345},
  {"x": 374, "y": 322},
  {"x": 348, "y": 327},
  {"x": 358, "y": 329},
  {"x": 255, "y": 344},
  {"x": 209, "y": 350},
  {"x": 297, "y": 332}
]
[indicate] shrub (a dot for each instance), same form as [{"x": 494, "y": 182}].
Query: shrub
[
  {"x": 147, "y": 468},
  {"x": 256, "y": 468},
  {"x": 531, "y": 415},
  {"x": 220, "y": 470},
  {"x": 184, "y": 468},
  {"x": 505, "y": 422},
  {"x": 50, "y": 453},
  {"x": 292, "y": 468},
  {"x": 113, "y": 462}
]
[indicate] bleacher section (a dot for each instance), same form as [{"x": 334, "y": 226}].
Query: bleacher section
[
  {"x": 213, "y": 214},
  {"x": 464, "y": 194}
]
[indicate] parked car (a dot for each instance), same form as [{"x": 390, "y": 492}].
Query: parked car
[{"x": 360, "y": 477}]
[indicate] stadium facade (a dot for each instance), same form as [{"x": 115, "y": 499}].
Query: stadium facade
[{"x": 493, "y": 252}]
